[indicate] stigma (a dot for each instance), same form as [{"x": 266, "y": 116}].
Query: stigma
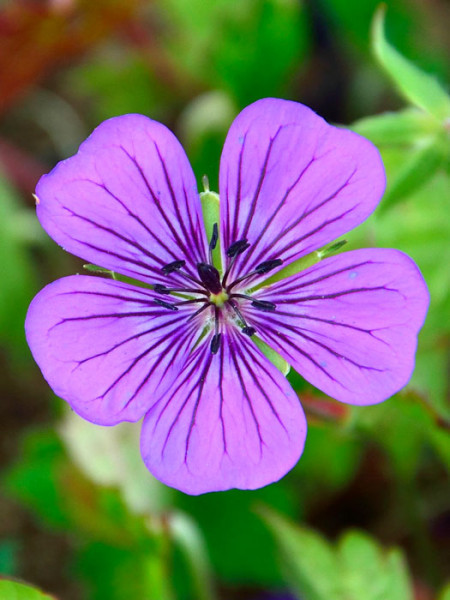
[{"x": 219, "y": 299}]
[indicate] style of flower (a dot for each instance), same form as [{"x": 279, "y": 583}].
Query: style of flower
[{"x": 186, "y": 349}]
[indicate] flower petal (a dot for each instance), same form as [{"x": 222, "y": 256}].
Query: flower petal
[
  {"x": 290, "y": 183},
  {"x": 348, "y": 324},
  {"x": 127, "y": 200},
  {"x": 106, "y": 347},
  {"x": 230, "y": 421}
]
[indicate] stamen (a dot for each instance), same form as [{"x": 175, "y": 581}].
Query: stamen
[
  {"x": 249, "y": 331},
  {"x": 246, "y": 328},
  {"x": 264, "y": 305},
  {"x": 233, "y": 252},
  {"x": 261, "y": 269},
  {"x": 165, "y": 304},
  {"x": 214, "y": 237},
  {"x": 210, "y": 277},
  {"x": 237, "y": 248},
  {"x": 268, "y": 265},
  {"x": 200, "y": 310},
  {"x": 161, "y": 289},
  {"x": 173, "y": 266},
  {"x": 215, "y": 343}
]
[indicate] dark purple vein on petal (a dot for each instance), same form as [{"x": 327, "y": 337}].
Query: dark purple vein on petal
[
  {"x": 252, "y": 209},
  {"x": 257, "y": 383},
  {"x": 237, "y": 206},
  {"x": 135, "y": 217},
  {"x": 255, "y": 243},
  {"x": 175, "y": 236},
  {"x": 232, "y": 346},
  {"x": 275, "y": 335},
  {"x": 188, "y": 236},
  {"x": 135, "y": 362},
  {"x": 297, "y": 330},
  {"x": 303, "y": 216},
  {"x": 292, "y": 286},
  {"x": 183, "y": 340}
]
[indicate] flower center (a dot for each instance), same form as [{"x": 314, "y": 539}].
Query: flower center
[
  {"x": 216, "y": 292},
  {"x": 219, "y": 299}
]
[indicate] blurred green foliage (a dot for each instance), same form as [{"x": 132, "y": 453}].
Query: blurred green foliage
[{"x": 383, "y": 468}]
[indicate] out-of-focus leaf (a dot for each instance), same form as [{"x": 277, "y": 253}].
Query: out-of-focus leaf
[
  {"x": 310, "y": 563},
  {"x": 333, "y": 446},
  {"x": 240, "y": 547},
  {"x": 402, "y": 128},
  {"x": 186, "y": 534},
  {"x": 416, "y": 86},
  {"x": 110, "y": 456},
  {"x": 12, "y": 590},
  {"x": 356, "y": 568},
  {"x": 34, "y": 479},
  {"x": 123, "y": 573},
  {"x": 445, "y": 594},
  {"x": 404, "y": 425},
  {"x": 17, "y": 280},
  {"x": 419, "y": 167},
  {"x": 224, "y": 44},
  {"x": 370, "y": 573}
]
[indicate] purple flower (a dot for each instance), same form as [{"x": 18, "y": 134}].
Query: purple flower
[{"x": 185, "y": 354}]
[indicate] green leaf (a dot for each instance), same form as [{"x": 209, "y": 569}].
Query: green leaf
[
  {"x": 369, "y": 573},
  {"x": 12, "y": 590},
  {"x": 356, "y": 568},
  {"x": 187, "y": 536},
  {"x": 18, "y": 282},
  {"x": 416, "y": 86},
  {"x": 445, "y": 594},
  {"x": 418, "y": 168},
  {"x": 310, "y": 562},
  {"x": 405, "y": 127}
]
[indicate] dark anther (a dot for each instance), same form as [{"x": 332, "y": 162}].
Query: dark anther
[
  {"x": 210, "y": 277},
  {"x": 173, "y": 266},
  {"x": 161, "y": 289},
  {"x": 165, "y": 304},
  {"x": 264, "y": 305},
  {"x": 268, "y": 265},
  {"x": 215, "y": 343},
  {"x": 237, "y": 248},
  {"x": 214, "y": 237},
  {"x": 248, "y": 331}
]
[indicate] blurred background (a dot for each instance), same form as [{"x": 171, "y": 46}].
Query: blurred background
[{"x": 365, "y": 515}]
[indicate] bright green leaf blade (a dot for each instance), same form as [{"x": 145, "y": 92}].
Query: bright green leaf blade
[
  {"x": 11, "y": 590},
  {"x": 308, "y": 558},
  {"x": 417, "y": 87}
]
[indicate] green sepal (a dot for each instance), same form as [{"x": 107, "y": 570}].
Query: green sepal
[
  {"x": 415, "y": 85},
  {"x": 211, "y": 215},
  {"x": 95, "y": 269},
  {"x": 277, "y": 360}
]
